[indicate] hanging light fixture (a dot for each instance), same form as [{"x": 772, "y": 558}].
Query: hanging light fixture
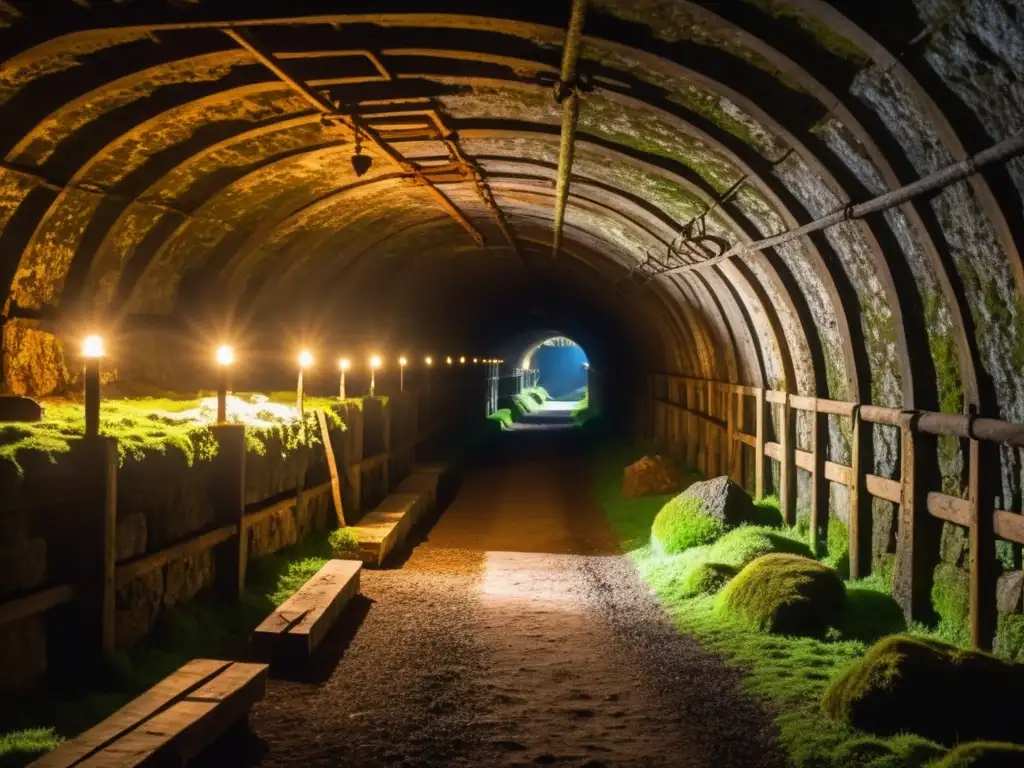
[{"x": 360, "y": 163}]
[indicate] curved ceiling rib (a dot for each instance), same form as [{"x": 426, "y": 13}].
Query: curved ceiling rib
[{"x": 153, "y": 166}]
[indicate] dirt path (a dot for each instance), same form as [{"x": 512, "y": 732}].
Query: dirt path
[{"x": 513, "y": 635}]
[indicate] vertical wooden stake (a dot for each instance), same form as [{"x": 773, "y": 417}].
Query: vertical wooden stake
[
  {"x": 859, "y": 517},
  {"x": 787, "y": 484},
  {"x": 819, "y": 485},
  {"x": 982, "y": 600},
  {"x": 386, "y": 422},
  {"x": 227, "y": 492},
  {"x": 759, "y": 443},
  {"x": 332, "y": 466},
  {"x": 917, "y": 541}
]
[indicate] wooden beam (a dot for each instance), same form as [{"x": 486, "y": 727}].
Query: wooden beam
[
  {"x": 37, "y": 602},
  {"x": 332, "y": 466}
]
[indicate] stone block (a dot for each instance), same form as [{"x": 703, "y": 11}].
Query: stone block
[
  {"x": 23, "y": 651},
  {"x": 1010, "y": 592},
  {"x": 33, "y": 360},
  {"x": 137, "y": 606},
  {"x": 22, "y": 566},
  {"x": 131, "y": 536},
  {"x": 186, "y": 576}
]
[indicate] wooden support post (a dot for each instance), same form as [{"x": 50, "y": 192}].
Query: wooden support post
[
  {"x": 787, "y": 463},
  {"x": 860, "y": 502},
  {"x": 917, "y": 544},
  {"x": 983, "y": 459},
  {"x": 332, "y": 466},
  {"x": 759, "y": 443},
  {"x": 227, "y": 492},
  {"x": 713, "y": 464},
  {"x": 353, "y": 474},
  {"x": 386, "y": 425},
  {"x": 819, "y": 485},
  {"x": 93, "y": 533},
  {"x": 738, "y": 401}
]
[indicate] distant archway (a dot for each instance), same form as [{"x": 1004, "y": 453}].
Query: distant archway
[{"x": 562, "y": 363}]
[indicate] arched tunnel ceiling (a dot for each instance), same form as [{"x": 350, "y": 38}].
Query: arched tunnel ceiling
[{"x": 156, "y": 166}]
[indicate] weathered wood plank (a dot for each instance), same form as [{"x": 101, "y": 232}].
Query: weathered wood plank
[
  {"x": 332, "y": 466},
  {"x": 837, "y": 473},
  {"x": 141, "y": 565},
  {"x": 804, "y": 460},
  {"x": 188, "y": 678},
  {"x": 302, "y": 622},
  {"x": 1009, "y": 525},
  {"x": 950, "y": 508},
  {"x": 773, "y": 451},
  {"x": 746, "y": 439},
  {"x": 384, "y": 528},
  {"x": 37, "y": 602},
  {"x": 883, "y": 488}
]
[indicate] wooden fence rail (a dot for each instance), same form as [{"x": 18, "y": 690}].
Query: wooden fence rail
[{"x": 712, "y": 419}]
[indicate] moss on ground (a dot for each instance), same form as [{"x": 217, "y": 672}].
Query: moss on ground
[
  {"x": 682, "y": 524},
  {"x": 503, "y": 416},
  {"x": 706, "y": 578},
  {"x": 202, "y": 628},
  {"x": 789, "y": 673},
  {"x": 344, "y": 544}
]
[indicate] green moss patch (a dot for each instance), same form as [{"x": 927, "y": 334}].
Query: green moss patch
[
  {"x": 503, "y": 416},
  {"x": 682, "y": 523},
  {"x": 706, "y": 578},
  {"x": 984, "y": 754},
  {"x": 932, "y": 689},
  {"x": 785, "y": 594},
  {"x": 344, "y": 544},
  {"x": 22, "y": 747},
  {"x": 741, "y": 546}
]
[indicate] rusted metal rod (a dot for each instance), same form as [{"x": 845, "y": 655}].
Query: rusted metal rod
[
  {"x": 569, "y": 96},
  {"x": 1005, "y": 150}
]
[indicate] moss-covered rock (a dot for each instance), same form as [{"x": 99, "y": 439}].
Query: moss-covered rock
[
  {"x": 935, "y": 690},
  {"x": 724, "y": 500},
  {"x": 651, "y": 476},
  {"x": 741, "y": 546},
  {"x": 704, "y": 578},
  {"x": 784, "y": 594},
  {"x": 683, "y": 523},
  {"x": 984, "y": 754}
]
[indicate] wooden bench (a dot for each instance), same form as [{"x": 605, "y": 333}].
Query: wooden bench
[
  {"x": 302, "y": 621},
  {"x": 387, "y": 526},
  {"x": 172, "y": 722}
]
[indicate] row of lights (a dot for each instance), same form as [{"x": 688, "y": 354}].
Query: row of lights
[{"x": 93, "y": 349}]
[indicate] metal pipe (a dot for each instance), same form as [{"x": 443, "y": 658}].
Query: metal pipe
[
  {"x": 568, "y": 94},
  {"x": 1004, "y": 150}
]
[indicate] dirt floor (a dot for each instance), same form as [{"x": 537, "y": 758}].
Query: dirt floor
[{"x": 512, "y": 634}]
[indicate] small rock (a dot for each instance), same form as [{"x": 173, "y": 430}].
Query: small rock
[
  {"x": 650, "y": 476},
  {"x": 16, "y": 408},
  {"x": 1010, "y": 592},
  {"x": 723, "y": 500}
]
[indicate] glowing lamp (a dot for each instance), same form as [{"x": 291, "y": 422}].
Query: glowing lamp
[
  {"x": 92, "y": 347},
  {"x": 344, "y": 364},
  {"x": 225, "y": 358},
  {"x": 474, "y": 360},
  {"x": 462, "y": 359},
  {"x": 428, "y": 360},
  {"x": 305, "y": 358},
  {"x": 448, "y": 360},
  {"x": 92, "y": 351},
  {"x": 403, "y": 360},
  {"x": 401, "y": 373},
  {"x": 375, "y": 363}
]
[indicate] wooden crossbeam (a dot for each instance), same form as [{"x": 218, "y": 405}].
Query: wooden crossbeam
[{"x": 355, "y": 124}]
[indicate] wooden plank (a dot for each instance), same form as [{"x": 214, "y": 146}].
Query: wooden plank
[
  {"x": 186, "y": 679},
  {"x": 883, "y": 488},
  {"x": 787, "y": 460},
  {"x": 835, "y": 407},
  {"x": 802, "y": 403},
  {"x": 332, "y": 466},
  {"x": 759, "y": 444},
  {"x": 876, "y": 414},
  {"x": 141, "y": 565},
  {"x": 774, "y": 396},
  {"x": 819, "y": 483},
  {"x": 837, "y": 473},
  {"x": 746, "y": 439},
  {"x": 424, "y": 483},
  {"x": 773, "y": 451},
  {"x": 301, "y": 623},
  {"x": 386, "y": 527},
  {"x": 37, "y": 602},
  {"x": 860, "y": 515},
  {"x": 804, "y": 460},
  {"x": 950, "y": 508},
  {"x": 983, "y": 480},
  {"x": 1009, "y": 525}
]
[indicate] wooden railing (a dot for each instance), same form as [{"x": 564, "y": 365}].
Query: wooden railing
[{"x": 712, "y": 432}]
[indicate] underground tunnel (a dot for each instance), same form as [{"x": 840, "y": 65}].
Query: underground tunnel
[{"x": 591, "y": 382}]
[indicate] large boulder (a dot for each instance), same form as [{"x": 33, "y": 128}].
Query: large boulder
[
  {"x": 984, "y": 754},
  {"x": 723, "y": 500},
  {"x": 742, "y": 546},
  {"x": 784, "y": 594},
  {"x": 17, "y": 408},
  {"x": 944, "y": 693},
  {"x": 650, "y": 476},
  {"x": 681, "y": 524}
]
